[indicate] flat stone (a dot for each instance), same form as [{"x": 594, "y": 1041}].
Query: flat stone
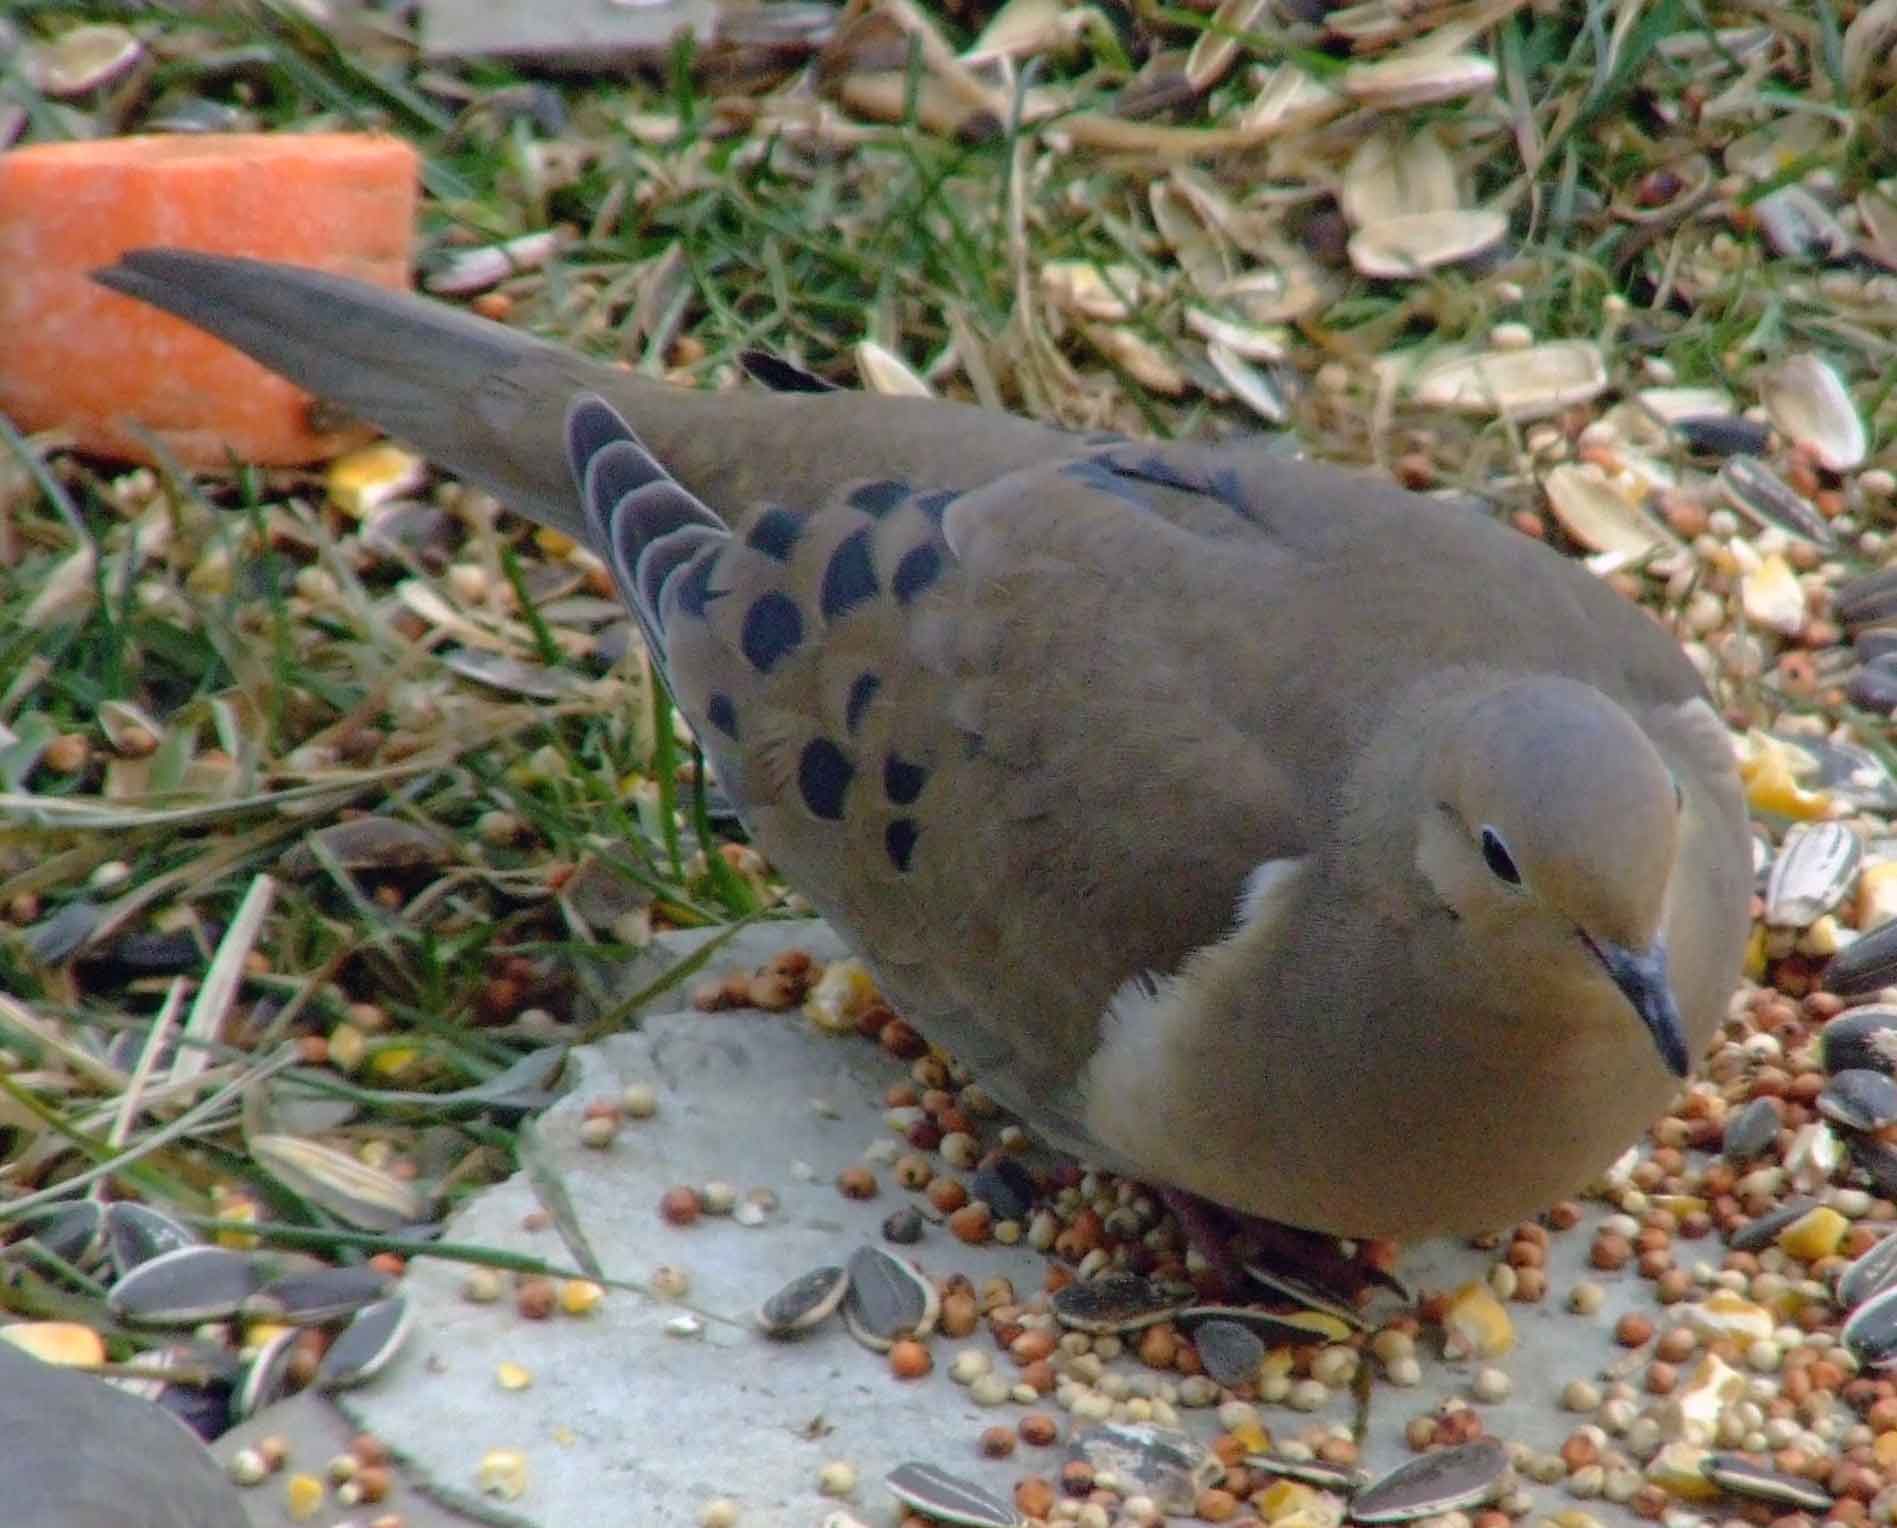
[{"x": 628, "y": 1423}]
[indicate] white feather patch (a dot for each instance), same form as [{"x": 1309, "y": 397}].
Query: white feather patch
[{"x": 1146, "y": 1020}]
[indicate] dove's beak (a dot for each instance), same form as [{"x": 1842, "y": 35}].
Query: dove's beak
[{"x": 1642, "y": 976}]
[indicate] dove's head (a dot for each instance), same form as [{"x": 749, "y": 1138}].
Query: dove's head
[{"x": 1550, "y": 828}]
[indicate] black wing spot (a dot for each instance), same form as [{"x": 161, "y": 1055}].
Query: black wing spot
[
  {"x": 935, "y": 504},
  {"x": 773, "y": 628},
  {"x": 920, "y": 567},
  {"x": 899, "y": 841},
  {"x": 722, "y": 714},
  {"x": 902, "y": 781},
  {"x": 849, "y": 578},
  {"x": 823, "y": 775},
  {"x": 775, "y": 533},
  {"x": 878, "y": 498},
  {"x": 862, "y": 691}
]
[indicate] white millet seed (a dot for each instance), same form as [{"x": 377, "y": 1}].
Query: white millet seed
[
  {"x": 1580, "y": 1395},
  {"x": 1490, "y": 1384}
]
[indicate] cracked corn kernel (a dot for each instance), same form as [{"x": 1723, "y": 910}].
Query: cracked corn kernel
[
  {"x": 1815, "y": 1234},
  {"x": 581, "y": 1297},
  {"x": 302, "y": 1497},
  {"x": 1476, "y": 1325},
  {"x": 503, "y": 1473},
  {"x": 512, "y": 1376}
]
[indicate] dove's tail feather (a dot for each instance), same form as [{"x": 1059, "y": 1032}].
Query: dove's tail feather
[
  {"x": 635, "y": 514},
  {"x": 426, "y": 373}
]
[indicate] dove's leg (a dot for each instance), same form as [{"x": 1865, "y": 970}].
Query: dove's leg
[{"x": 1287, "y": 1258}]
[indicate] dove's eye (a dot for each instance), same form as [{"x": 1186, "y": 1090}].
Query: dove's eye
[{"x": 1496, "y": 856}]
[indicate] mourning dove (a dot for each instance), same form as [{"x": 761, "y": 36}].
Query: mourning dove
[
  {"x": 1249, "y": 826},
  {"x": 78, "y": 1452}
]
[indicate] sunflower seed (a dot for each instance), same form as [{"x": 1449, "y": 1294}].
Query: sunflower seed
[
  {"x": 1869, "y": 1274},
  {"x": 1517, "y": 384},
  {"x": 1439, "y": 1482},
  {"x": 805, "y": 1302},
  {"x": 136, "y": 1234},
  {"x": 1230, "y": 1353},
  {"x": 1417, "y": 79},
  {"x": 1398, "y": 173},
  {"x": 1859, "y": 1099},
  {"x": 74, "y": 1232},
  {"x": 1599, "y": 516},
  {"x": 1877, "y": 216},
  {"x": 1316, "y": 1297},
  {"x": 1216, "y": 49},
  {"x": 1806, "y": 400},
  {"x": 885, "y": 372},
  {"x": 1861, "y": 1037},
  {"x": 266, "y": 1378},
  {"x": 1399, "y": 247},
  {"x": 1006, "y": 1188},
  {"x": 189, "y": 1285},
  {"x": 1870, "y": 1333},
  {"x": 948, "y": 1498},
  {"x": 1867, "y": 601},
  {"x": 368, "y": 843},
  {"x": 1743, "y": 1477},
  {"x": 346, "y": 1186},
  {"x": 1799, "y": 226},
  {"x": 326, "y": 1294},
  {"x": 1750, "y": 1131},
  {"x": 1765, "y": 498},
  {"x": 1324, "y": 1476},
  {"x": 364, "y": 1347},
  {"x": 84, "y": 59},
  {"x": 1161, "y": 1462},
  {"x": 1278, "y": 1329},
  {"x": 1762, "y": 1231},
  {"x": 1867, "y": 964},
  {"x": 1250, "y": 386},
  {"x": 887, "y": 1298},
  {"x": 1816, "y": 868},
  {"x": 1724, "y": 435},
  {"x": 1114, "y": 1302}
]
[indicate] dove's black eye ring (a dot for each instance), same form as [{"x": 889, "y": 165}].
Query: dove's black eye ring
[{"x": 1496, "y": 856}]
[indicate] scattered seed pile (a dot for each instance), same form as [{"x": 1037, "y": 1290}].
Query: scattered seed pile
[{"x": 317, "y": 812}]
